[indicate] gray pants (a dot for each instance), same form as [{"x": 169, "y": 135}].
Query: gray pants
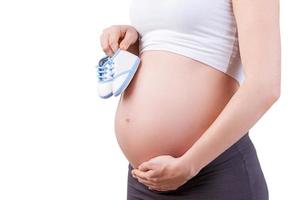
[{"x": 234, "y": 175}]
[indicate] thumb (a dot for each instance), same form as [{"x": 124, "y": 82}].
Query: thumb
[
  {"x": 146, "y": 166},
  {"x": 129, "y": 39}
]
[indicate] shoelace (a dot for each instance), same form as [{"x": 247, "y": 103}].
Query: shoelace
[{"x": 105, "y": 69}]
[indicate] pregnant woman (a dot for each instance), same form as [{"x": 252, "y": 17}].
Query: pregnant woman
[{"x": 209, "y": 70}]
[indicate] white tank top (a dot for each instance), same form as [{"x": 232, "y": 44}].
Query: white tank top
[{"x": 204, "y": 30}]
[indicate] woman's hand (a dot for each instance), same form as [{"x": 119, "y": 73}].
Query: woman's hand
[
  {"x": 163, "y": 173},
  {"x": 119, "y": 36}
]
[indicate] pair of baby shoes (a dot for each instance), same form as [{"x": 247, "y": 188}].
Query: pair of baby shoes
[{"x": 115, "y": 72}]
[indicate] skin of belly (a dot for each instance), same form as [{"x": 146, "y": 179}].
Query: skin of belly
[{"x": 168, "y": 105}]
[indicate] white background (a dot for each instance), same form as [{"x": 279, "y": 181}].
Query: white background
[{"x": 57, "y": 136}]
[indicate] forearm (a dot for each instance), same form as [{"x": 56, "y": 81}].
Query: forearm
[{"x": 243, "y": 110}]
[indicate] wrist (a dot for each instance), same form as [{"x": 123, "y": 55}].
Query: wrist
[{"x": 187, "y": 163}]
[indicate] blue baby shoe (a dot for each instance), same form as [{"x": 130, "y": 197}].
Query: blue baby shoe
[
  {"x": 105, "y": 72},
  {"x": 116, "y": 72}
]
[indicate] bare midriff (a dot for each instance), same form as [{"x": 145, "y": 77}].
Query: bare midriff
[{"x": 168, "y": 105}]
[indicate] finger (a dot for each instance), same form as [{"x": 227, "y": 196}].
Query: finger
[
  {"x": 105, "y": 44},
  {"x": 154, "y": 175},
  {"x": 113, "y": 39},
  {"x": 151, "y": 168},
  {"x": 133, "y": 174},
  {"x": 129, "y": 39},
  {"x": 151, "y": 175},
  {"x": 145, "y": 166},
  {"x": 147, "y": 183},
  {"x": 142, "y": 174},
  {"x": 158, "y": 188},
  {"x": 153, "y": 188}
]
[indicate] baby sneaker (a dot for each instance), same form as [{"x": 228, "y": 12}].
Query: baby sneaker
[
  {"x": 105, "y": 74},
  {"x": 116, "y": 72},
  {"x": 125, "y": 66}
]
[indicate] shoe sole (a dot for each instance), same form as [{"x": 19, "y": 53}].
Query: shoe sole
[{"x": 106, "y": 96}]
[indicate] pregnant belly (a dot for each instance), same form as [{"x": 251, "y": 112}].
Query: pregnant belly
[{"x": 168, "y": 105}]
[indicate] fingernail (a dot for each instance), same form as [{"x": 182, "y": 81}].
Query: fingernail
[{"x": 133, "y": 174}]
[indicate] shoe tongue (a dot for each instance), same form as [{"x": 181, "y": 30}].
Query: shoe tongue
[{"x": 103, "y": 60}]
